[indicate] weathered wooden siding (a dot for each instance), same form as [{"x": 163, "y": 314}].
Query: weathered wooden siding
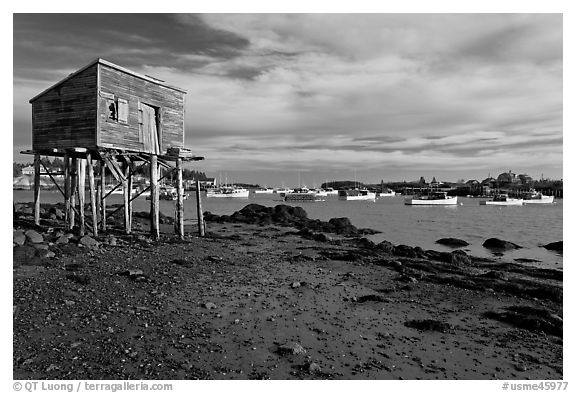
[
  {"x": 65, "y": 116},
  {"x": 134, "y": 90}
]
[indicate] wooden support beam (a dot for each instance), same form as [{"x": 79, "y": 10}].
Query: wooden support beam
[
  {"x": 127, "y": 188},
  {"x": 103, "y": 195},
  {"x": 201, "y": 231},
  {"x": 92, "y": 188},
  {"x": 67, "y": 191},
  {"x": 179, "y": 201},
  {"x": 154, "y": 198},
  {"x": 81, "y": 169},
  {"x": 37, "y": 189},
  {"x": 73, "y": 179}
]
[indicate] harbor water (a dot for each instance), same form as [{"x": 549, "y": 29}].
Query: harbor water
[{"x": 529, "y": 226}]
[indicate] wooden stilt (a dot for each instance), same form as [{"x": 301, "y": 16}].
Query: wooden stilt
[
  {"x": 37, "y": 189},
  {"x": 67, "y": 207},
  {"x": 199, "y": 210},
  {"x": 93, "y": 198},
  {"x": 154, "y": 198},
  {"x": 179, "y": 200},
  {"x": 73, "y": 178},
  {"x": 103, "y": 195},
  {"x": 127, "y": 186},
  {"x": 81, "y": 165}
]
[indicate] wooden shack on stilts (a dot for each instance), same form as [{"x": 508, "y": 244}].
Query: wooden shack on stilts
[{"x": 107, "y": 118}]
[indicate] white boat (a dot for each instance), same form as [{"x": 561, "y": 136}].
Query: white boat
[
  {"x": 387, "y": 192},
  {"x": 330, "y": 191},
  {"x": 535, "y": 197},
  {"x": 166, "y": 193},
  {"x": 503, "y": 200},
  {"x": 300, "y": 191},
  {"x": 320, "y": 192},
  {"x": 356, "y": 195},
  {"x": 435, "y": 198},
  {"x": 283, "y": 191},
  {"x": 264, "y": 191},
  {"x": 227, "y": 192}
]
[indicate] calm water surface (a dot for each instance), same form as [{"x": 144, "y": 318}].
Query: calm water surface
[{"x": 529, "y": 226}]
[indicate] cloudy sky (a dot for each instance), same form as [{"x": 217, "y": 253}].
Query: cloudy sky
[{"x": 328, "y": 96}]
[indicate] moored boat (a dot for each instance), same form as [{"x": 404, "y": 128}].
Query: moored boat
[
  {"x": 264, "y": 191},
  {"x": 435, "y": 198},
  {"x": 502, "y": 200},
  {"x": 227, "y": 192},
  {"x": 535, "y": 197},
  {"x": 356, "y": 195},
  {"x": 386, "y": 192}
]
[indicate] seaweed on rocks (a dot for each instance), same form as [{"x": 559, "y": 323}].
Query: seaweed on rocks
[
  {"x": 291, "y": 216},
  {"x": 529, "y": 318}
]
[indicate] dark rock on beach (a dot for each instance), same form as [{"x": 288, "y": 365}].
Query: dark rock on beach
[
  {"x": 452, "y": 242},
  {"x": 498, "y": 244},
  {"x": 555, "y": 246},
  {"x": 294, "y": 216}
]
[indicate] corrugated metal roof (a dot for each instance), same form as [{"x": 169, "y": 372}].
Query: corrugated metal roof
[{"x": 112, "y": 65}]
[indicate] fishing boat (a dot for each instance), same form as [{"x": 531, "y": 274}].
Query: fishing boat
[
  {"x": 299, "y": 191},
  {"x": 356, "y": 195},
  {"x": 535, "y": 197},
  {"x": 330, "y": 191},
  {"x": 502, "y": 200},
  {"x": 434, "y": 198},
  {"x": 227, "y": 192},
  {"x": 386, "y": 192},
  {"x": 166, "y": 193},
  {"x": 264, "y": 191},
  {"x": 283, "y": 191}
]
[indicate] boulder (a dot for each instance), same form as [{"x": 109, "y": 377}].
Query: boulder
[
  {"x": 57, "y": 212},
  {"x": 498, "y": 244},
  {"x": 365, "y": 243},
  {"x": 209, "y": 305},
  {"x": 18, "y": 237},
  {"x": 459, "y": 257},
  {"x": 555, "y": 246},
  {"x": 385, "y": 246},
  {"x": 63, "y": 239},
  {"x": 291, "y": 348},
  {"x": 88, "y": 241},
  {"x": 33, "y": 236},
  {"x": 452, "y": 242},
  {"x": 403, "y": 250}
]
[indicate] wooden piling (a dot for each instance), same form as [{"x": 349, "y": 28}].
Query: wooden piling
[
  {"x": 127, "y": 186},
  {"x": 103, "y": 195},
  {"x": 201, "y": 231},
  {"x": 179, "y": 200},
  {"x": 67, "y": 207},
  {"x": 37, "y": 189},
  {"x": 73, "y": 179},
  {"x": 93, "y": 198},
  {"x": 154, "y": 198},
  {"x": 81, "y": 173}
]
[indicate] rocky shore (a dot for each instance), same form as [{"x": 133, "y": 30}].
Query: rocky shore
[{"x": 272, "y": 294}]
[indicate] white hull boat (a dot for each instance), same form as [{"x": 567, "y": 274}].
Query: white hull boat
[
  {"x": 502, "y": 200},
  {"x": 227, "y": 192},
  {"x": 534, "y": 197},
  {"x": 356, "y": 195},
  {"x": 264, "y": 191},
  {"x": 387, "y": 193},
  {"x": 437, "y": 198}
]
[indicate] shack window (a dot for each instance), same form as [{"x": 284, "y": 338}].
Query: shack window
[{"x": 122, "y": 108}]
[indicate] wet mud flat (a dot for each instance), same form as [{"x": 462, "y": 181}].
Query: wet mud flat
[{"x": 283, "y": 299}]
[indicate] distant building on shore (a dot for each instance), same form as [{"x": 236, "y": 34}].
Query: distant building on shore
[{"x": 28, "y": 170}]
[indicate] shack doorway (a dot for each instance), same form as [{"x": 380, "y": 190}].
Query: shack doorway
[{"x": 150, "y": 129}]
